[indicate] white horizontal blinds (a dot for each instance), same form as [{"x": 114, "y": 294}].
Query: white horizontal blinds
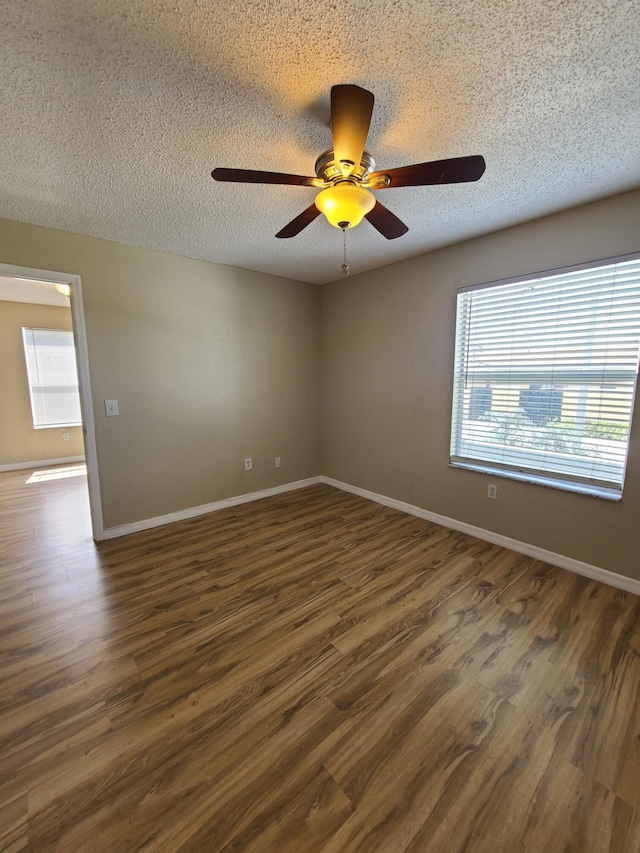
[
  {"x": 53, "y": 377},
  {"x": 545, "y": 374}
]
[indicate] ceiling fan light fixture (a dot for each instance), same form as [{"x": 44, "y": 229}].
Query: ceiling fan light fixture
[
  {"x": 345, "y": 172},
  {"x": 345, "y": 204}
]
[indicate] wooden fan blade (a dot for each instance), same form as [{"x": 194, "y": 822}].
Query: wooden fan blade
[
  {"x": 386, "y": 222},
  {"x": 351, "y": 109},
  {"x": 296, "y": 225},
  {"x": 456, "y": 170},
  {"x": 251, "y": 176}
]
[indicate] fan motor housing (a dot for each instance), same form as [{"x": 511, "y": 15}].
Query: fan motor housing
[{"x": 328, "y": 168}]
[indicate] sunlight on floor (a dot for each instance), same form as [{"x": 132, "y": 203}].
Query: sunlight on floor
[{"x": 58, "y": 473}]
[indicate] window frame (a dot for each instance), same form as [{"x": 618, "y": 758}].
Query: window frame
[{"x": 568, "y": 482}]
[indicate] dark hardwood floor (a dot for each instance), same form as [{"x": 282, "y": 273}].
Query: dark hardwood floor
[{"x": 311, "y": 672}]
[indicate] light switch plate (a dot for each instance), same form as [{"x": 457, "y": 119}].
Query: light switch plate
[{"x": 111, "y": 408}]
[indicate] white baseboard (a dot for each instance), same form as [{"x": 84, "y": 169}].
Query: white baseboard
[
  {"x": 585, "y": 569},
  {"x": 41, "y": 463},
  {"x": 192, "y": 512},
  {"x": 589, "y": 571}
]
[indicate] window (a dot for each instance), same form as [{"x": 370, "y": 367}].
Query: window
[
  {"x": 545, "y": 376},
  {"x": 53, "y": 378}
]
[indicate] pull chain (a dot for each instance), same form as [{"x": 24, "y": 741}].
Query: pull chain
[{"x": 345, "y": 265}]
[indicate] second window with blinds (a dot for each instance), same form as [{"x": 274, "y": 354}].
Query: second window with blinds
[
  {"x": 53, "y": 378},
  {"x": 545, "y": 376}
]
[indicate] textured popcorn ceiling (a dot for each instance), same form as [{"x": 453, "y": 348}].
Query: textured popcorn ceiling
[{"x": 114, "y": 114}]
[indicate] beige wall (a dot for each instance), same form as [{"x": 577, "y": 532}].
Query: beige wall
[
  {"x": 209, "y": 363},
  {"x": 212, "y": 363},
  {"x": 19, "y": 441},
  {"x": 387, "y": 350}
]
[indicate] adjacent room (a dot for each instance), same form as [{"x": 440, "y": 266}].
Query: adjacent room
[{"x": 319, "y": 465}]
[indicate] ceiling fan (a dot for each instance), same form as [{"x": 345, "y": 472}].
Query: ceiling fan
[{"x": 346, "y": 175}]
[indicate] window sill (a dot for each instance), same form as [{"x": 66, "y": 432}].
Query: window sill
[
  {"x": 57, "y": 426},
  {"x": 593, "y": 491}
]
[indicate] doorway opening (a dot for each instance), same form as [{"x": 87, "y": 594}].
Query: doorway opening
[{"x": 45, "y": 430}]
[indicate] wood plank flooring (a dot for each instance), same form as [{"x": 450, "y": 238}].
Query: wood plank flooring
[{"x": 311, "y": 673}]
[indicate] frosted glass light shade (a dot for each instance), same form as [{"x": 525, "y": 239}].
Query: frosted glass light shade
[{"x": 345, "y": 204}]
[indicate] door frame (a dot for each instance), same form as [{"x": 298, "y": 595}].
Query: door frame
[{"x": 84, "y": 379}]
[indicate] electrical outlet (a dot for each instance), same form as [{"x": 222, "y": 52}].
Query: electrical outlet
[
  {"x": 277, "y": 462},
  {"x": 492, "y": 491},
  {"x": 65, "y": 436},
  {"x": 248, "y": 463}
]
